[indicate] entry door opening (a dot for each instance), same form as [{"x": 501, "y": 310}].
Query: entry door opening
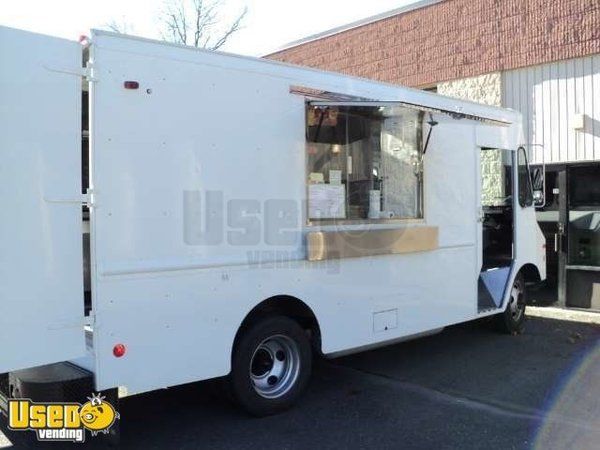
[
  {"x": 583, "y": 248},
  {"x": 497, "y": 226},
  {"x": 551, "y": 219}
]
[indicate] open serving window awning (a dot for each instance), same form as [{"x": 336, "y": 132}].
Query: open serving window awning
[{"x": 389, "y": 106}]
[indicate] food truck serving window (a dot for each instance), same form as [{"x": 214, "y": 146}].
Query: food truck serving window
[{"x": 364, "y": 163}]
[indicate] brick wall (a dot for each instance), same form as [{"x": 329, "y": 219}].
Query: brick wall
[{"x": 457, "y": 39}]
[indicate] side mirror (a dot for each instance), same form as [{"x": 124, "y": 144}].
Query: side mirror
[{"x": 539, "y": 187}]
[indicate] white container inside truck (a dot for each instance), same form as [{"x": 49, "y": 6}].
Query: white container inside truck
[{"x": 172, "y": 215}]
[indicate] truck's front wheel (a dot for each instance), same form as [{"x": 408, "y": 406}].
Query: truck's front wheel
[
  {"x": 271, "y": 365},
  {"x": 512, "y": 321}
]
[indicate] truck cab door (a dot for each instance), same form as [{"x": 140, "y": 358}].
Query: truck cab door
[{"x": 41, "y": 281}]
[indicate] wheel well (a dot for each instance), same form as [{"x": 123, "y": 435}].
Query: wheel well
[
  {"x": 288, "y": 306},
  {"x": 531, "y": 273}
]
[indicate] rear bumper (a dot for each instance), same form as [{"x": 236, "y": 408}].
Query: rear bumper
[{"x": 62, "y": 382}]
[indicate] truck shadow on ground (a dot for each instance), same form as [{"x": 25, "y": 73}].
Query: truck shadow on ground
[{"x": 466, "y": 387}]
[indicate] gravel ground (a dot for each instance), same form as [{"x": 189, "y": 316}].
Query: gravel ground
[{"x": 466, "y": 387}]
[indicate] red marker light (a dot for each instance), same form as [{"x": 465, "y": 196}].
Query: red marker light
[
  {"x": 119, "y": 350},
  {"x": 131, "y": 85}
]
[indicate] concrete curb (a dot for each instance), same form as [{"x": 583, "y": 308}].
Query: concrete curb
[{"x": 572, "y": 315}]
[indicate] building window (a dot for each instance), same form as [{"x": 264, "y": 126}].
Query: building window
[
  {"x": 584, "y": 215},
  {"x": 584, "y": 186},
  {"x": 364, "y": 163}
]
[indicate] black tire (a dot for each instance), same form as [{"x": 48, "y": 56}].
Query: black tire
[
  {"x": 512, "y": 320},
  {"x": 258, "y": 388}
]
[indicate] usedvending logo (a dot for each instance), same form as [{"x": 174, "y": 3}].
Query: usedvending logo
[{"x": 62, "y": 421}]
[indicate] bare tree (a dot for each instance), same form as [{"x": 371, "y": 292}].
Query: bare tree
[
  {"x": 123, "y": 26},
  {"x": 198, "y": 23}
]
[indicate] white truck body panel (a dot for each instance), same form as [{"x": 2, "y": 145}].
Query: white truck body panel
[
  {"x": 41, "y": 286},
  {"x": 168, "y": 284},
  {"x": 204, "y": 121}
]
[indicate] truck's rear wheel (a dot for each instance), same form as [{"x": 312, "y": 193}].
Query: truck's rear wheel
[
  {"x": 271, "y": 365},
  {"x": 512, "y": 320}
]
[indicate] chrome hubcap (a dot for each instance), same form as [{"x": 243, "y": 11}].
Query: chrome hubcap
[
  {"x": 517, "y": 301},
  {"x": 275, "y": 366}
]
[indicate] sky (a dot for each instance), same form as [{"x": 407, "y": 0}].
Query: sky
[{"x": 269, "y": 24}]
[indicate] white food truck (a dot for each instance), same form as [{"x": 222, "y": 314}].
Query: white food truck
[{"x": 172, "y": 215}]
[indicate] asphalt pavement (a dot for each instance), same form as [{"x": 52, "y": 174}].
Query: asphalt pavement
[{"x": 467, "y": 387}]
